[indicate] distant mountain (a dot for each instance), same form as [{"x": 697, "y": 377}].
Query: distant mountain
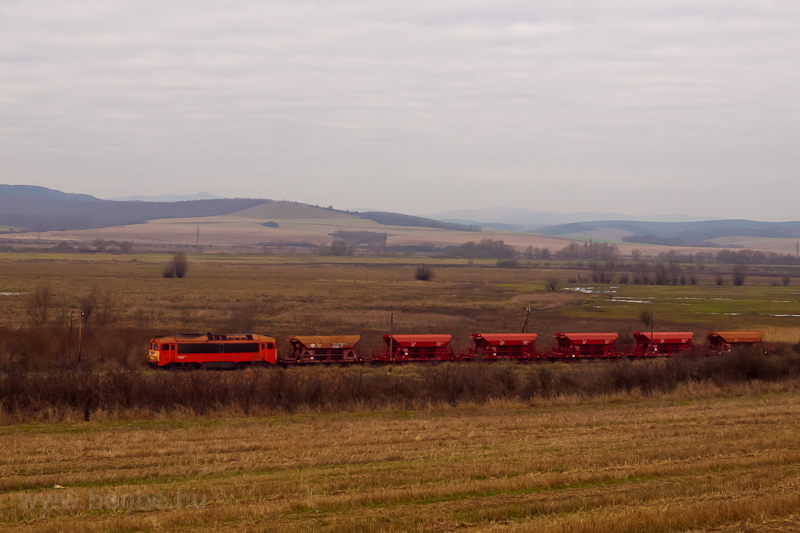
[
  {"x": 33, "y": 191},
  {"x": 168, "y": 198},
  {"x": 679, "y": 233},
  {"x": 528, "y": 219},
  {"x": 42, "y": 209},
  {"x": 39, "y": 208},
  {"x": 396, "y": 219}
]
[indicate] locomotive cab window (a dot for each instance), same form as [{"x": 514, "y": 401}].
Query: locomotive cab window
[{"x": 269, "y": 346}]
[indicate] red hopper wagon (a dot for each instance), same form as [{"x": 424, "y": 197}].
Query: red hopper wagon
[
  {"x": 725, "y": 341},
  {"x": 416, "y": 349},
  {"x": 326, "y": 349},
  {"x": 663, "y": 343},
  {"x": 585, "y": 345},
  {"x": 512, "y": 346}
]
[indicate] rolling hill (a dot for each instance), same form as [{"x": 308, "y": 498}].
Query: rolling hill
[{"x": 703, "y": 233}]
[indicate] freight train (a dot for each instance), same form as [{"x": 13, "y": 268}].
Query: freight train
[{"x": 237, "y": 351}]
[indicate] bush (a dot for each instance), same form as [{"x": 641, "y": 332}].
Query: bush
[
  {"x": 338, "y": 247},
  {"x": 177, "y": 268},
  {"x": 63, "y": 390},
  {"x": 552, "y": 284},
  {"x": 739, "y": 274},
  {"x": 181, "y": 265},
  {"x": 423, "y": 273}
]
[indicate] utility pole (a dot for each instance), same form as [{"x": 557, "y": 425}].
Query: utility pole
[
  {"x": 71, "y": 318},
  {"x": 652, "y": 324},
  {"x": 391, "y": 337},
  {"x": 80, "y": 337}
]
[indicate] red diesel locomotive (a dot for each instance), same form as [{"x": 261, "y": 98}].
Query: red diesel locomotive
[{"x": 212, "y": 351}]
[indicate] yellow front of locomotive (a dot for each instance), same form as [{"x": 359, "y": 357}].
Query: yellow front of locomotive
[{"x": 155, "y": 354}]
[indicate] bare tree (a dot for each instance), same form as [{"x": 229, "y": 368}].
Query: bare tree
[
  {"x": 739, "y": 274},
  {"x": 39, "y": 303},
  {"x": 646, "y": 317},
  {"x": 339, "y": 247},
  {"x": 88, "y": 304}
]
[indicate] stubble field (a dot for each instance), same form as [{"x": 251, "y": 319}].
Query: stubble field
[{"x": 699, "y": 460}]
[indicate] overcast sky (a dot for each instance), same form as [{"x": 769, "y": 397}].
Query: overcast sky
[{"x": 416, "y": 106}]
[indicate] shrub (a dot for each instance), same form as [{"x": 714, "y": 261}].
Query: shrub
[
  {"x": 61, "y": 390},
  {"x": 507, "y": 263},
  {"x": 423, "y": 273},
  {"x": 552, "y": 284},
  {"x": 739, "y": 274},
  {"x": 169, "y": 270},
  {"x": 786, "y": 279},
  {"x": 177, "y": 268},
  {"x": 181, "y": 265},
  {"x": 339, "y": 247}
]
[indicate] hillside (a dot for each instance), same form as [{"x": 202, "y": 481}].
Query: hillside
[
  {"x": 677, "y": 233},
  {"x": 36, "y": 216},
  {"x": 42, "y": 209}
]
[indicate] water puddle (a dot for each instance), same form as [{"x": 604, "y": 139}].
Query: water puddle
[
  {"x": 630, "y": 301},
  {"x": 591, "y": 290}
]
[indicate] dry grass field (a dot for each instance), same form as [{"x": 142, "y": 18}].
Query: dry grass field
[
  {"x": 700, "y": 445},
  {"x": 284, "y": 295},
  {"x": 700, "y": 459}
]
